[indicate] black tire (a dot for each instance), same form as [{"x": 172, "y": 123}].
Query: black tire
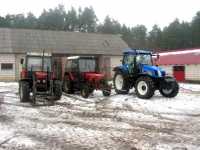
[
  {"x": 124, "y": 89},
  {"x": 57, "y": 89},
  {"x": 169, "y": 92},
  {"x": 67, "y": 85},
  {"x": 85, "y": 91},
  {"x": 24, "y": 91},
  {"x": 144, "y": 87}
]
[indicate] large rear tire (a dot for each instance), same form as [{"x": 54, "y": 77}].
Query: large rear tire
[
  {"x": 57, "y": 89},
  {"x": 144, "y": 87},
  {"x": 120, "y": 83},
  {"x": 169, "y": 88},
  {"x": 24, "y": 92}
]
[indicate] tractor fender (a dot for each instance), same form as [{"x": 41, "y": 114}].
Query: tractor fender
[
  {"x": 121, "y": 69},
  {"x": 21, "y": 80},
  {"x": 145, "y": 75},
  {"x": 70, "y": 75}
]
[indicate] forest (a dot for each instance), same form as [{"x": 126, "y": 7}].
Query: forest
[{"x": 177, "y": 35}]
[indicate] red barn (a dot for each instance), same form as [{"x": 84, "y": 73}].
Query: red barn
[{"x": 184, "y": 65}]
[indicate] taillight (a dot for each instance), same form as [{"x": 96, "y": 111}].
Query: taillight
[{"x": 24, "y": 73}]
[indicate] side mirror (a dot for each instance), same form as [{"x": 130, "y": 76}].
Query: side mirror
[{"x": 22, "y": 61}]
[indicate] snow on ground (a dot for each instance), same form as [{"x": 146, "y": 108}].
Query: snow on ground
[{"x": 119, "y": 122}]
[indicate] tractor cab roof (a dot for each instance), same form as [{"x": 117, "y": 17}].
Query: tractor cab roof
[
  {"x": 130, "y": 51},
  {"x": 80, "y": 57}
]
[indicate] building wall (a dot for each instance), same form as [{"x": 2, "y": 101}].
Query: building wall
[
  {"x": 18, "y": 65},
  {"x": 192, "y": 72},
  {"x": 115, "y": 61},
  {"x": 106, "y": 65},
  {"x": 7, "y": 73}
]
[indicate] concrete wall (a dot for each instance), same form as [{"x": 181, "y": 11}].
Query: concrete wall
[{"x": 7, "y": 75}]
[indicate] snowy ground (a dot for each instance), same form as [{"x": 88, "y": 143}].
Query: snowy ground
[{"x": 121, "y": 122}]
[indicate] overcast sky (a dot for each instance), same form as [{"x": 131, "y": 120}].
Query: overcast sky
[{"x": 129, "y": 12}]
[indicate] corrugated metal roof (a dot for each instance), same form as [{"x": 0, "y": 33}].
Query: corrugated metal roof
[
  {"x": 23, "y": 40},
  {"x": 180, "y": 57}
]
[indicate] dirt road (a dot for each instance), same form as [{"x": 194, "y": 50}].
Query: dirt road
[{"x": 120, "y": 122}]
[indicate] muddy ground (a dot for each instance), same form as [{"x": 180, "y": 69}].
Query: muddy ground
[{"x": 120, "y": 122}]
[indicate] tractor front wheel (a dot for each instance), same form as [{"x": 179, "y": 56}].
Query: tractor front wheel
[
  {"x": 144, "y": 87},
  {"x": 169, "y": 87},
  {"x": 24, "y": 92},
  {"x": 85, "y": 91},
  {"x": 57, "y": 89},
  {"x": 67, "y": 85},
  {"x": 120, "y": 84}
]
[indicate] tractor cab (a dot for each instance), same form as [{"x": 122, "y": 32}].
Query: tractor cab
[
  {"x": 36, "y": 63},
  {"x": 136, "y": 62},
  {"x": 38, "y": 77},
  {"x": 82, "y": 74},
  {"x": 138, "y": 70}
]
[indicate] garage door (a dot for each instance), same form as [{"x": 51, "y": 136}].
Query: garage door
[{"x": 179, "y": 73}]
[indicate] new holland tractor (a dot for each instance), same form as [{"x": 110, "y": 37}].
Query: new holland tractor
[
  {"x": 137, "y": 70},
  {"x": 38, "y": 78},
  {"x": 82, "y": 74}
]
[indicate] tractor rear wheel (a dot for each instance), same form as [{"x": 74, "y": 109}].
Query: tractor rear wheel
[
  {"x": 24, "y": 92},
  {"x": 85, "y": 91},
  {"x": 169, "y": 87},
  {"x": 144, "y": 87},
  {"x": 57, "y": 89},
  {"x": 120, "y": 84},
  {"x": 67, "y": 85}
]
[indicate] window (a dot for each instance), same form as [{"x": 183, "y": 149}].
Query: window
[
  {"x": 144, "y": 59},
  {"x": 87, "y": 65},
  {"x": 129, "y": 59},
  {"x": 6, "y": 66},
  {"x": 35, "y": 64}
]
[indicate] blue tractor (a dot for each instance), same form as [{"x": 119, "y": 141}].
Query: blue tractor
[{"x": 137, "y": 70}]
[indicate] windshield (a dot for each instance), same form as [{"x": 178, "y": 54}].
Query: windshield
[
  {"x": 35, "y": 64},
  {"x": 129, "y": 59},
  {"x": 87, "y": 65},
  {"x": 144, "y": 59}
]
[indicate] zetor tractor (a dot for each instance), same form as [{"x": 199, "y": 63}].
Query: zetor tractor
[
  {"x": 137, "y": 71},
  {"x": 38, "y": 78},
  {"x": 82, "y": 75}
]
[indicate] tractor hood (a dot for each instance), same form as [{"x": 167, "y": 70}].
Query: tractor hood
[
  {"x": 92, "y": 76},
  {"x": 153, "y": 71}
]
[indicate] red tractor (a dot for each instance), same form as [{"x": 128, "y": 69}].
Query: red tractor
[
  {"x": 38, "y": 78},
  {"x": 82, "y": 75}
]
